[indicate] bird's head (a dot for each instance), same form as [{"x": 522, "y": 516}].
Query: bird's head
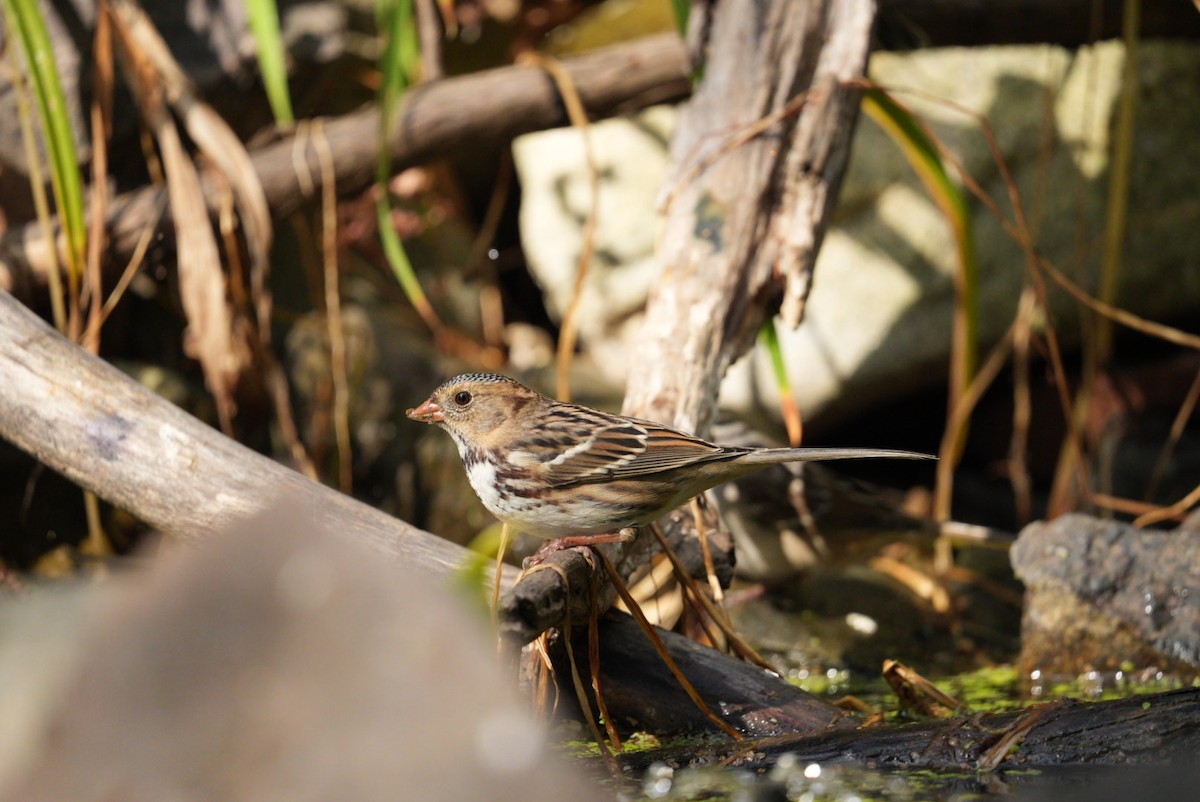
[{"x": 473, "y": 406}]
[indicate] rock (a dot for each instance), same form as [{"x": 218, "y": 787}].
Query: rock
[
  {"x": 630, "y": 156},
  {"x": 1101, "y": 594},
  {"x": 277, "y": 662}
]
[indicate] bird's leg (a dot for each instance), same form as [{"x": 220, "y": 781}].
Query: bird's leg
[{"x": 624, "y": 536}]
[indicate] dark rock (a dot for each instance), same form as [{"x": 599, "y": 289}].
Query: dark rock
[{"x": 1101, "y": 594}]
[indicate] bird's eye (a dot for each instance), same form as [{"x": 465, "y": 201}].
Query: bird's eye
[{"x": 462, "y": 398}]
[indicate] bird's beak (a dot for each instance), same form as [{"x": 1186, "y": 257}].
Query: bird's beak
[{"x": 428, "y": 412}]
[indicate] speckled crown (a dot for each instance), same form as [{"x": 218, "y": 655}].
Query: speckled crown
[{"x": 485, "y": 378}]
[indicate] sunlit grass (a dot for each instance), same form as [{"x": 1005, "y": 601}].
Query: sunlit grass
[
  {"x": 25, "y": 19},
  {"x": 263, "y": 16}
]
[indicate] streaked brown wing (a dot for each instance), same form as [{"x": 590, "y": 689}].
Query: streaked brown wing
[{"x": 631, "y": 449}]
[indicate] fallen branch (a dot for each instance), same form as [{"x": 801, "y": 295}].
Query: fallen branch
[
  {"x": 80, "y": 416},
  {"x": 1153, "y": 729},
  {"x": 641, "y": 694}
]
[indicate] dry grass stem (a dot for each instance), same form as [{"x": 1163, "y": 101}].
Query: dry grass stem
[
  {"x": 576, "y": 113},
  {"x": 333, "y": 311},
  {"x": 1177, "y": 426},
  {"x": 661, "y": 649},
  {"x": 742, "y": 649}
]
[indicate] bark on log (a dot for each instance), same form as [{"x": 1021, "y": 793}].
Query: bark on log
[
  {"x": 757, "y": 160},
  {"x": 85, "y": 419},
  {"x": 640, "y": 694},
  {"x": 481, "y": 110},
  {"x": 1152, "y": 729},
  {"x": 748, "y": 200}
]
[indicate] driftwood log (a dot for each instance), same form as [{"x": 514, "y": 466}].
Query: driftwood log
[
  {"x": 85, "y": 419},
  {"x": 1152, "y": 729},
  {"x": 638, "y": 690}
]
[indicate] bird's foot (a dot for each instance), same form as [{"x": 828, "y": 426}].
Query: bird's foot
[{"x": 539, "y": 557}]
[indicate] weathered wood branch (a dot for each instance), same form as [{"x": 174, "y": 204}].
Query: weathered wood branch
[
  {"x": 757, "y": 161},
  {"x": 482, "y": 110},
  {"x": 641, "y": 694},
  {"x": 90, "y": 422}
]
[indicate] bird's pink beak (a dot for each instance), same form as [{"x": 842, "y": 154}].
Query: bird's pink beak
[{"x": 428, "y": 412}]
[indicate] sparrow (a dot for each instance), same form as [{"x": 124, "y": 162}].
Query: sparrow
[{"x": 578, "y": 476}]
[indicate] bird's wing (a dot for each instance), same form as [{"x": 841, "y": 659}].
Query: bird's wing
[{"x": 628, "y": 449}]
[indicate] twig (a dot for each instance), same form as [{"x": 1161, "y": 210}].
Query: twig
[
  {"x": 101, "y": 118},
  {"x": 333, "y": 311},
  {"x": 1178, "y": 508},
  {"x": 577, "y": 682},
  {"x": 740, "y": 647},
  {"x": 958, "y": 417},
  {"x": 594, "y": 663},
  {"x": 1177, "y": 426},
  {"x": 135, "y": 259},
  {"x": 429, "y": 35},
  {"x": 1018, "y": 446},
  {"x": 661, "y": 649},
  {"x": 578, "y": 117}
]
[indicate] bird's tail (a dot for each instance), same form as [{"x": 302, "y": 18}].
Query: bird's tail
[{"x": 773, "y": 456}]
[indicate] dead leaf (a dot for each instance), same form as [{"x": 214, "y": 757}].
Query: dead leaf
[{"x": 211, "y": 337}]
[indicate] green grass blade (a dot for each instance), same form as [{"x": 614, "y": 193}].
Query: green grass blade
[
  {"x": 681, "y": 9},
  {"x": 37, "y": 184},
  {"x": 263, "y": 16},
  {"x": 393, "y": 249},
  {"x": 24, "y": 17},
  {"x": 769, "y": 337},
  {"x": 395, "y": 20},
  {"x": 923, "y": 155}
]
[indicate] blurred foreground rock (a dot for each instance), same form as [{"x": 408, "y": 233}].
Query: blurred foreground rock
[
  {"x": 1102, "y": 595},
  {"x": 275, "y": 663}
]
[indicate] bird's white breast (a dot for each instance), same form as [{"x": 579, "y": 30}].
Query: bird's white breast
[
  {"x": 482, "y": 476},
  {"x": 528, "y": 515}
]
